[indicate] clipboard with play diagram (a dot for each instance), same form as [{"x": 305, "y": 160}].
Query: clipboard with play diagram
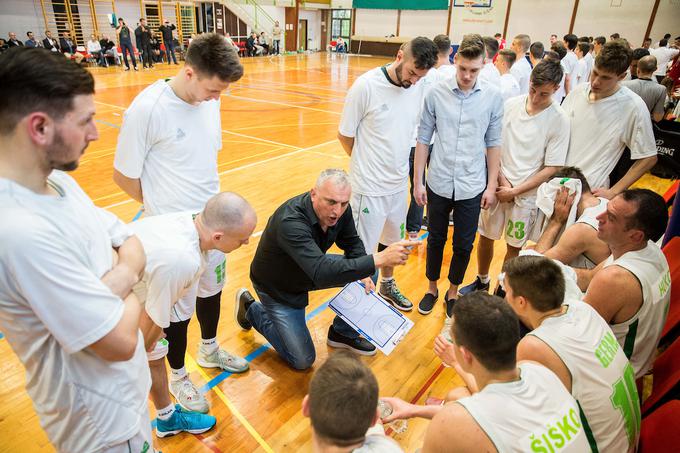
[{"x": 371, "y": 316}]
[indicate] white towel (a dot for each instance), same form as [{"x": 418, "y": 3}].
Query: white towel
[{"x": 545, "y": 202}]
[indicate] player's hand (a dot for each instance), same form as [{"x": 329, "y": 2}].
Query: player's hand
[
  {"x": 394, "y": 255},
  {"x": 368, "y": 284},
  {"x": 445, "y": 351},
  {"x": 563, "y": 202},
  {"x": 420, "y": 194},
  {"x": 488, "y": 199},
  {"x": 604, "y": 193},
  {"x": 401, "y": 410},
  {"x": 505, "y": 194}
]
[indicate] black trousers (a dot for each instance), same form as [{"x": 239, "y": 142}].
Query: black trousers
[{"x": 465, "y": 221}]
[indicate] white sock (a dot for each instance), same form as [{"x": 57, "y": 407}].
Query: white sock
[
  {"x": 209, "y": 346},
  {"x": 387, "y": 279},
  {"x": 166, "y": 412},
  {"x": 176, "y": 375},
  {"x": 484, "y": 278}
]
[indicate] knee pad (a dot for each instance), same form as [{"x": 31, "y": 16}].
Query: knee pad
[{"x": 159, "y": 351}]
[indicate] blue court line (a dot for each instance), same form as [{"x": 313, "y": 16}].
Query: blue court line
[
  {"x": 106, "y": 123},
  {"x": 139, "y": 214},
  {"x": 2, "y": 335}
]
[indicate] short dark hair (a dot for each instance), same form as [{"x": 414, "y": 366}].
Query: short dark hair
[
  {"x": 537, "y": 50},
  {"x": 663, "y": 42},
  {"x": 210, "y": 55},
  {"x": 546, "y": 71},
  {"x": 536, "y": 278},
  {"x": 491, "y": 46},
  {"x": 601, "y": 40},
  {"x": 487, "y": 327},
  {"x": 571, "y": 40},
  {"x": 651, "y": 215},
  {"x": 29, "y": 33},
  {"x": 574, "y": 173},
  {"x": 423, "y": 51},
  {"x": 525, "y": 40},
  {"x": 551, "y": 55},
  {"x": 583, "y": 39},
  {"x": 639, "y": 53},
  {"x": 120, "y": 19},
  {"x": 443, "y": 44},
  {"x": 559, "y": 49},
  {"x": 584, "y": 47},
  {"x": 35, "y": 79},
  {"x": 142, "y": 18},
  {"x": 667, "y": 36},
  {"x": 615, "y": 57},
  {"x": 615, "y": 36},
  {"x": 343, "y": 399},
  {"x": 472, "y": 47},
  {"x": 508, "y": 56},
  {"x": 648, "y": 39},
  {"x": 497, "y": 35}
]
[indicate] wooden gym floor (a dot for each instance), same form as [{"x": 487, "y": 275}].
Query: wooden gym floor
[{"x": 279, "y": 126}]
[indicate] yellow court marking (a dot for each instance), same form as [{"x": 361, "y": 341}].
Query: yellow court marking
[{"x": 231, "y": 407}]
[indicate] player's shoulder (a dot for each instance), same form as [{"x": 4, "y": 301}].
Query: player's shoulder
[{"x": 148, "y": 98}]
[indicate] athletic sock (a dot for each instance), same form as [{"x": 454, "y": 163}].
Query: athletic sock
[
  {"x": 177, "y": 375},
  {"x": 484, "y": 278},
  {"x": 209, "y": 346},
  {"x": 166, "y": 412},
  {"x": 387, "y": 280},
  {"x": 208, "y": 314}
]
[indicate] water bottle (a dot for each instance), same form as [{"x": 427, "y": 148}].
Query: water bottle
[{"x": 398, "y": 426}]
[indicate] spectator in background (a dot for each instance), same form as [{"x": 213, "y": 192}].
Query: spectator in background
[
  {"x": 31, "y": 41},
  {"x": 125, "y": 39},
  {"x": 501, "y": 41},
  {"x": 570, "y": 62},
  {"x": 553, "y": 39},
  {"x": 667, "y": 37},
  {"x": 3, "y": 45},
  {"x": 94, "y": 48},
  {"x": 69, "y": 48},
  {"x": 143, "y": 38},
  {"x": 231, "y": 42},
  {"x": 262, "y": 40},
  {"x": 582, "y": 73},
  {"x": 109, "y": 49},
  {"x": 156, "y": 41},
  {"x": 647, "y": 43},
  {"x": 614, "y": 36},
  {"x": 589, "y": 58},
  {"x": 559, "y": 51},
  {"x": 522, "y": 68},
  {"x": 598, "y": 43},
  {"x": 664, "y": 55},
  {"x": 536, "y": 51},
  {"x": 508, "y": 84},
  {"x": 276, "y": 38},
  {"x": 50, "y": 43},
  {"x": 166, "y": 30},
  {"x": 648, "y": 89},
  {"x": 340, "y": 46},
  {"x": 632, "y": 70},
  {"x": 253, "y": 47},
  {"x": 489, "y": 72},
  {"x": 13, "y": 41}
]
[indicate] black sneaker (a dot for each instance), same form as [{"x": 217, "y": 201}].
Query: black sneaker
[
  {"x": 477, "y": 285},
  {"x": 390, "y": 292},
  {"x": 243, "y": 301},
  {"x": 427, "y": 303},
  {"x": 449, "y": 307},
  {"x": 500, "y": 292},
  {"x": 358, "y": 345}
]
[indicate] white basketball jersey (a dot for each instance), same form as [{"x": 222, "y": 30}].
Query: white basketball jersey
[
  {"x": 602, "y": 380},
  {"x": 589, "y": 217},
  {"x": 534, "y": 413},
  {"x": 639, "y": 336}
]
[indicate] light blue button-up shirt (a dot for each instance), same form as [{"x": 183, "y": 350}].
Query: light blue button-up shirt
[{"x": 466, "y": 125}]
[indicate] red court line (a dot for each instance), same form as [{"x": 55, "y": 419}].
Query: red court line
[
  {"x": 422, "y": 390},
  {"x": 208, "y": 443}
]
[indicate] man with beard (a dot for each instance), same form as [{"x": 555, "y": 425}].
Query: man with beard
[
  {"x": 65, "y": 295},
  {"x": 376, "y": 131}
]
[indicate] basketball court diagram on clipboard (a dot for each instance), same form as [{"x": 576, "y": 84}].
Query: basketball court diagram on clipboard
[{"x": 371, "y": 316}]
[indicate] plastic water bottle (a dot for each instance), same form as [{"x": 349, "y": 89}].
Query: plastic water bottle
[{"x": 398, "y": 426}]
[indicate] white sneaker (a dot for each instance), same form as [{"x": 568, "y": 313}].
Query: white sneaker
[
  {"x": 222, "y": 359},
  {"x": 188, "y": 396}
]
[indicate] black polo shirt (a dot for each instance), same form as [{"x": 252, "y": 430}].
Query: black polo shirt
[{"x": 291, "y": 257}]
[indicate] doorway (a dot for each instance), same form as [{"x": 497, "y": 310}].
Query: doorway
[{"x": 302, "y": 34}]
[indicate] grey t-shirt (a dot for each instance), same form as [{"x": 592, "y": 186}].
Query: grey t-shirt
[
  {"x": 377, "y": 443},
  {"x": 650, "y": 91}
]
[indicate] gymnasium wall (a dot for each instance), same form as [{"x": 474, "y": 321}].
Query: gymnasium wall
[
  {"x": 20, "y": 16},
  {"x": 538, "y": 18}
]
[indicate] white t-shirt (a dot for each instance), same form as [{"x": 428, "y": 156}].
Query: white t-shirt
[
  {"x": 590, "y": 61},
  {"x": 600, "y": 130},
  {"x": 381, "y": 117},
  {"x": 531, "y": 142},
  {"x": 174, "y": 262},
  {"x": 491, "y": 75},
  {"x": 639, "y": 336},
  {"x": 581, "y": 72},
  {"x": 53, "y": 306},
  {"x": 377, "y": 442},
  {"x": 570, "y": 64},
  {"x": 663, "y": 55},
  {"x": 526, "y": 413},
  {"x": 172, "y": 147},
  {"x": 509, "y": 86},
  {"x": 447, "y": 70},
  {"x": 598, "y": 368},
  {"x": 522, "y": 71},
  {"x": 559, "y": 94},
  {"x": 433, "y": 76}
]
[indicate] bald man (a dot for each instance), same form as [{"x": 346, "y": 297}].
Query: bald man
[
  {"x": 177, "y": 247},
  {"x": 645, "y": 86}
]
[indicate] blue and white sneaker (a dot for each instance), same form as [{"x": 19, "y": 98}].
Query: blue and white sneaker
[
  {"x": 477, "y": 285},
  {"x": 182, "y": 420}
]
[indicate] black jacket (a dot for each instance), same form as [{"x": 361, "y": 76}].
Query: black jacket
[
  {"x": 66, "y": 47},
  {"x": 142, "y": 36},
  {"x": 47, "y": 44},
  {"x": 167, "y": 32}
]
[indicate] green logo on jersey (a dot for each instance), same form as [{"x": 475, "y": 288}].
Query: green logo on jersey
[
  {"x": 145, "y": 447},
  {"x": 606, "y": 350},
  {"x": 220, "y": 272},
  {"x": 365, "y": 211},
  {"x": 558, "y": 434}
]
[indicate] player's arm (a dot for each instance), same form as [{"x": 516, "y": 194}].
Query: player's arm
[
  {"x": 561, "y": 209},
  {"x": 536, "y": 180},
  {"x": 150, "y": 330},
  {"x": 531, "y": 348},
  {"x": 347, "y": 143},
  {"x": 635, "y": 172},
  {"x": 454, "y": 430},
  {"x": 128, "y": 269},
  {"x": 353, "y": 112},
  {"x": 614, "y": 293},
  {"x": 402, "y": 410},
  {"x": 119, "y": 344},
  {"x": 131, "y": 186},
  {"x": 492, "y": 140},
  {"x": 572, "y": 243}
]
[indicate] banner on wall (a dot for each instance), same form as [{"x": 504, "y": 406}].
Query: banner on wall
[{"x": 401, "y": 4}]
